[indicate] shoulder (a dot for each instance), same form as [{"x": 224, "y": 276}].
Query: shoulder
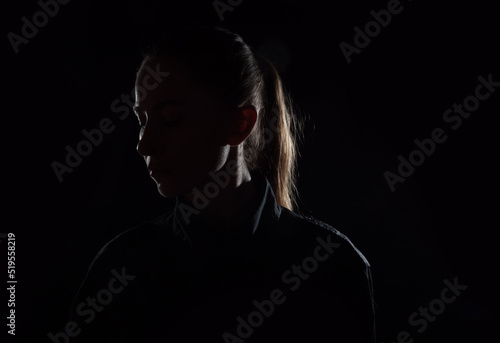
[
  {"x": 139, "y": 236},
  {"x": 318, "y": 233},
  {"x": 127, "y": 249},
  {"x": 341, "y": 271}
]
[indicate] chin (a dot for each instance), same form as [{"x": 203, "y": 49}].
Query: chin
[
  {"x": 167, "y": 190},
  {"x": 171, "y": 188}
]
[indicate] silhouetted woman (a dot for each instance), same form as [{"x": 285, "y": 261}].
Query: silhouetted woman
[{"x": 231, "y": 262}]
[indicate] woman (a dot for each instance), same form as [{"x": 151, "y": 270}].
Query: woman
[{"x": 231, "y": 262}]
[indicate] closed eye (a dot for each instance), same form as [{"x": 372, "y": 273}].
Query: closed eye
[{"x": 164, "y": 103}]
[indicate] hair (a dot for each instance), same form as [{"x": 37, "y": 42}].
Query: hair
[{"x": 220, "y": 60}]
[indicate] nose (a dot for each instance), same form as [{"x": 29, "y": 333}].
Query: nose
[{"x": 147, "y": 145}]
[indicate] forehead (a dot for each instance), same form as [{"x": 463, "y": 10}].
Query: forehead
[{"x": 153, "y": 82}]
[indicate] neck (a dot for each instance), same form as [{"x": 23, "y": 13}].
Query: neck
[{"x": 233, "y": 202}]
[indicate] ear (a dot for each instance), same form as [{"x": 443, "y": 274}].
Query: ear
[{"x": 243, "y": 120}]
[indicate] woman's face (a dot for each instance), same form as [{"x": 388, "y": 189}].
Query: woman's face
[{"x": 183, "y": 131}]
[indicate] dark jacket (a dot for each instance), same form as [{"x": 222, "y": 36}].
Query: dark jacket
[{"x": 278, "y": 277}]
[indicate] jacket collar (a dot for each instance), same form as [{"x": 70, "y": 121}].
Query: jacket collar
[{"x": 189, "y": 225}]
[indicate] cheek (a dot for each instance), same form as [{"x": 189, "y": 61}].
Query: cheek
[
  {"x": 201, "y": 154},
  {"x": 194, "y": 153}
]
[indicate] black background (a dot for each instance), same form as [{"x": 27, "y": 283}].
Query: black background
[{"x": 439, "y": 224}]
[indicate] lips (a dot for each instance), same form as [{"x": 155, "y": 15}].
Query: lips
[{"x": 152, "y": 167}]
